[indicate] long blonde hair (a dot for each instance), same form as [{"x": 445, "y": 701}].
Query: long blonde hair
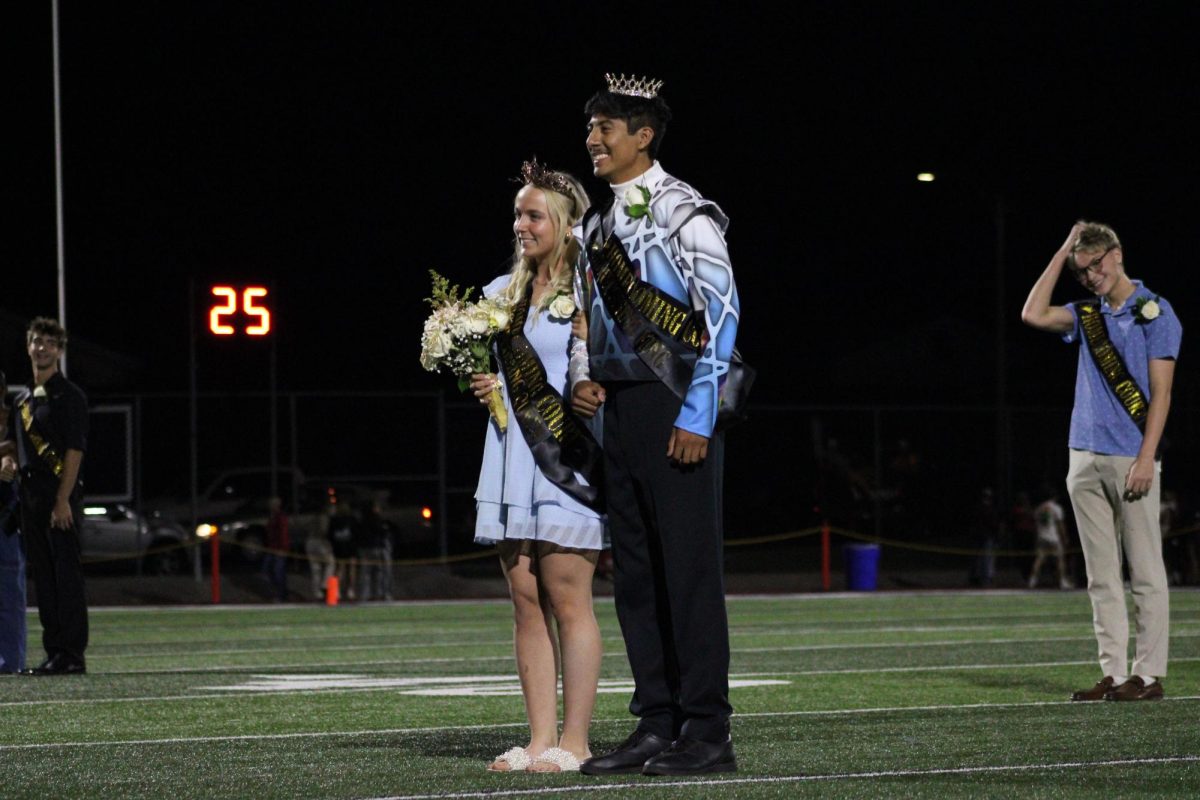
[{"x": 565, "y": 211}]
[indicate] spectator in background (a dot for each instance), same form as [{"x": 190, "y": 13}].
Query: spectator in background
[
  {"x": 342, "y": 531},
  {"x": 319, "y": 550},
  {"x": 372, "y": 552},
  {"x": 985, "y": 529},
  {"x": 50, "y": 422},
  {"x": 279, "y": 544},
  {"x": 1051, "y": 538},
  {"x": 12, "y": 552},
  {"x": 1179, "y": 546},
  {"x": 1022, "y": 527}
]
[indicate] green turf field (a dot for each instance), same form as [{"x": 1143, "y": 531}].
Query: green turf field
[{"x": 881, "y": 695}]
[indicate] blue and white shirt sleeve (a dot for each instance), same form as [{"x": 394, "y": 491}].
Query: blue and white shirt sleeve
[
  {"x": 701, "y": 255},
  {"x": 1164, "y": 334}
]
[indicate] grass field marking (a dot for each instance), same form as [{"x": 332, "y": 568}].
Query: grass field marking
[
  {"x": 431, "y": 686},
  {"x": 507, "y": 643},
  {"x": 342, "y": 665},
  {"x": 950, "y": 667},
  {"x": 652, "y": 784},
  {"x": 623, "y": 720}
]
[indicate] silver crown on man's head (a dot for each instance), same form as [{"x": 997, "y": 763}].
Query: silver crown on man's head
[{"x": 633, "y": 86}]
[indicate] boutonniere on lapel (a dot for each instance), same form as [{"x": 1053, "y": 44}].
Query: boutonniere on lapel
[
  {"x": 39, "y": 391},
  {"x": 562, "y": 307},
  {"x": 637, "y": 202},
  {"x": 1146, "y": 310}
]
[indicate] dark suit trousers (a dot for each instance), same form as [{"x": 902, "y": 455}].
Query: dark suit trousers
[
  {"x": 665, "y": 526},
  {"x": 54, "y": 556}
]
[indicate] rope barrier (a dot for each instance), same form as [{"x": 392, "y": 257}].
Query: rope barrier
[{"x": 742, "y": 542}]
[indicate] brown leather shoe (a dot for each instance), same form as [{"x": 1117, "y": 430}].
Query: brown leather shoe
[
  {"x": 1136, "y": 689},
  {"x": 1097, "y": 692}
]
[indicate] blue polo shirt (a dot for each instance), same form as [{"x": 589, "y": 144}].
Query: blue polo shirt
[{"x": 1099, "y": 422}]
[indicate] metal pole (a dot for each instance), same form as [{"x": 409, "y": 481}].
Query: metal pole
[
  {"x": 443, "y": 532},
  {"x": 58, "y": 186},
  {"x": 1002, "y": 467},
  {"x": 193, "y": 427},
  {"x": 294, "y": 450},
  {"x": 274, "y": 421},
  {"x": 137, "y": 477}
]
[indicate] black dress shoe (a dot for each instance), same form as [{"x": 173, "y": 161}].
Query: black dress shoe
[
  {"x": 693, "y": 757},
  {"x": 61, "y": 664},
  {"x": 629, "y": 758}
]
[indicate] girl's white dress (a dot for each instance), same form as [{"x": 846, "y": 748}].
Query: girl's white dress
[{"x": 514, "y": 499}]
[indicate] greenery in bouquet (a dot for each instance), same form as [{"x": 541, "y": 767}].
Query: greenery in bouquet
[{"x": 457, "y": 337}]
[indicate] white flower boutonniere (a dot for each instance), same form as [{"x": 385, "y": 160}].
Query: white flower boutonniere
[
  {"x": 1146, "y": 310},
  {"x": 39, "y": 391},
  {"x": 637, "y": 202},
  {"x": 562, "y": 307}
]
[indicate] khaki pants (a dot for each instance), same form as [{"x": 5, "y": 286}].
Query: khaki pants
[{"x": 1107, "y": 523}]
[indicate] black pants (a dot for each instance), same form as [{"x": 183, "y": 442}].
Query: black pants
[
  {"x": 54, "y": 556},
  {"x": 665, "y": 525}
]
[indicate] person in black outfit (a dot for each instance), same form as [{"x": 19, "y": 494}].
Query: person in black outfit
[
  {"x": 49, "y": 422},
  {"x": 663, "y": 453}
]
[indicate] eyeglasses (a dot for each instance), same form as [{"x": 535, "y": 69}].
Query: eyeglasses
[{"x": 1081, "y": 272}]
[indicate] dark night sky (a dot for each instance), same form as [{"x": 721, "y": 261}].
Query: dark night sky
[{"x": 341, "y": 150}]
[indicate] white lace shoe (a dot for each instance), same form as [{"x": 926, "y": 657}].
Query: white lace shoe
[
  {"x": 517, "y": 759},
  {"x": 565, "y": 760}
]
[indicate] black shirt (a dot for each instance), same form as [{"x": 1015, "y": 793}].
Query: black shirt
[{"x": 60, "y": 417}]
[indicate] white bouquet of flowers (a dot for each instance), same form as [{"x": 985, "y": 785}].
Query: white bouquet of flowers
[{"x": 458, "y": 338}]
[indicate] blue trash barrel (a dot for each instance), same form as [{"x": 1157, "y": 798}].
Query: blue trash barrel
[{"x": 862, "y": 566}]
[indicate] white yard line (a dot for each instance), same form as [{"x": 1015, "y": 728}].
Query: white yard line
[
  {"x": 624, "y": 720},
  {"x": 651, "y": 784},
  {"x": 141, "y": 656}
]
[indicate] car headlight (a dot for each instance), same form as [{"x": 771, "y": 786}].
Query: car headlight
[{"x": 205, "y": 530}]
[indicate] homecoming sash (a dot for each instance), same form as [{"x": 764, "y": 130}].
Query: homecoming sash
[
  {"x": 1110, "y": 364},
  {"x": 561, "y": 444},
  {"x": 40, "y": 446},
  {"x": 666, "y": 334}
]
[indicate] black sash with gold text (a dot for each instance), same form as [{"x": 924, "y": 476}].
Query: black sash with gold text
[
  {"x": 45, "y": 452},
  {"x": 667, "y": 335},
  {"x": 1110, "y": 364},
  {"x": 561, "y": 444}
]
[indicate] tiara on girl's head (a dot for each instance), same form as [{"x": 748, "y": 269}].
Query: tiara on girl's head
[
  {"x": 538, "y": 175},
  {"x": 633, "y": 86}
]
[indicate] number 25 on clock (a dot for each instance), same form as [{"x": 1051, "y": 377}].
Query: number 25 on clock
[{"x": 250, "y": 306}]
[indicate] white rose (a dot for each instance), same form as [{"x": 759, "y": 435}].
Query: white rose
[
  {"x": 439, "y": 344},
  {"x": 478, "y": 322},
  {"x": 1150, "y": 310},
  {"x": 634, "y": 197},
  {"x": 562, "y": 306},
  {"x": 499, "y": 318}
]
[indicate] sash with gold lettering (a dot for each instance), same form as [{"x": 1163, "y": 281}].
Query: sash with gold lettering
[
  {"x": 561, "y": 444},
  {"x": 666, "y": 334},
  {"x": 1110, "y": 364},
  {"x": 45, "y": 452}
]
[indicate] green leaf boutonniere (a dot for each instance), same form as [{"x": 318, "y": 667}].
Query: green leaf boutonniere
[
  {"x": 637, "y": 202},
  {"x": 1146, "y": 310}
]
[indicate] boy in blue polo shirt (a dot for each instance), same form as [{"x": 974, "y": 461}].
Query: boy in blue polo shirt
[{"x": 1128, "y": 341}]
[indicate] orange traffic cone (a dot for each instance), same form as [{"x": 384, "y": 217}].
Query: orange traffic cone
[{"x": 331, "y": 590}]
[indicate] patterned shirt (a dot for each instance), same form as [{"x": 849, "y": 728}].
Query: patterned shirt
[{"x": 679, "y": 247}]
